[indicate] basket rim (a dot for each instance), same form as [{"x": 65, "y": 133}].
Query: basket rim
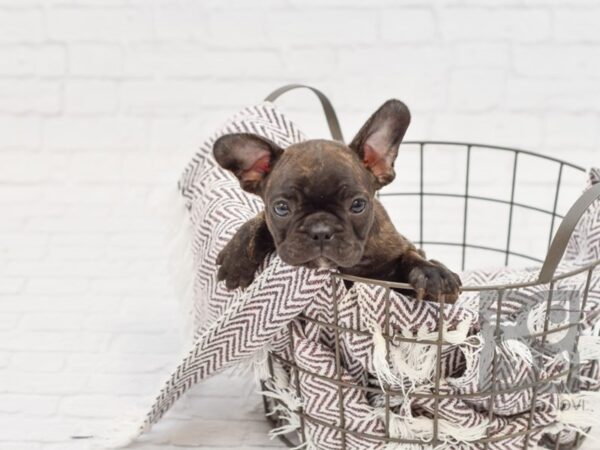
[
  {"x": 470, "y": 288},
  {"x": 492, "y": 147}
]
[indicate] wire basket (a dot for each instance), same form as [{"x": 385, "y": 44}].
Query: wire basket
[{"x": 560, "y": 217}]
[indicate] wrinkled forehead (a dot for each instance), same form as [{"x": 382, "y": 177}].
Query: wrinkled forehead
[{"x": 319, "y": 169}]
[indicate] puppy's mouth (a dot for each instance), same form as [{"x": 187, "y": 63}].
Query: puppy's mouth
[
  {"x": 315, "y": 257},
  {"x": 321, "y": 263}
]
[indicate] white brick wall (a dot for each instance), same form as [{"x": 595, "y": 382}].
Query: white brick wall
[{"x": 101, "y": 102}]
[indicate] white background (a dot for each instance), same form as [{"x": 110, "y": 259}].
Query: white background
[{"x": 102, "y": 102}]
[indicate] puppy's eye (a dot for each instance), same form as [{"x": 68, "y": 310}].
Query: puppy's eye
[
  {"x": 358, "y": 205},
  {"x": 281, "y": 208}
]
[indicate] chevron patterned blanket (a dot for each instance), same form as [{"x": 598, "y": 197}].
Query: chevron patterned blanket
[{"x": 243, "y": 327}]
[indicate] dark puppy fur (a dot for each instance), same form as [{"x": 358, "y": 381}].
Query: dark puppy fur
[{"x": 321, "y": 210}]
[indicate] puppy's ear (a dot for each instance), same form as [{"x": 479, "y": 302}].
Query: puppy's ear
[
  {"x": 378, "y": 140},
  {"x": 250, "y": 158}
]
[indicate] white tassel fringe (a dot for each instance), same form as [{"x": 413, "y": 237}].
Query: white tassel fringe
[
  {"x": 120, "y": 434},
  {"x": 413, "y": 363}
]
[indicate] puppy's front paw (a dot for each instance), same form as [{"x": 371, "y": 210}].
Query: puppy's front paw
[
  {"x": 433, "y": 280},
  {"x": 235, "y": 267}
]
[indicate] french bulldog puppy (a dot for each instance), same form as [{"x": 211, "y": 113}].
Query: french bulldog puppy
[{"x": 321, "y": 211}]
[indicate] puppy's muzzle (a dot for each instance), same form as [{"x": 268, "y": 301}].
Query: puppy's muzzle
[{"x": 321, "y": 232}]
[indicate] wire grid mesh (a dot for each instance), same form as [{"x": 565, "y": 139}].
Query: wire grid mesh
[{"x": 555, "y": 215}]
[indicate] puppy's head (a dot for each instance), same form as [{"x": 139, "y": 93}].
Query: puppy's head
[{"x": 319, "y": 194}]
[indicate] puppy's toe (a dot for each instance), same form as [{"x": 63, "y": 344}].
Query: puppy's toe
[
  {"x": 232, "y": 282},
  {"x": 245, "y": 280},
  {"x": 451, "y": 282},
  {"x": 418, "y": 280},
  {"x": 435, "y": 285},
  {"x": 434, "y": 282}
]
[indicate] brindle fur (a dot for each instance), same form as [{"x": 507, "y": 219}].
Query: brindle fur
[
  {"x": 319, "y": 178},
  {"x": 245, "y": 252}
]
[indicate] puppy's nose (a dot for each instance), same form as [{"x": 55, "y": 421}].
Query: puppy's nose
[{"x": 321, "y": 232}]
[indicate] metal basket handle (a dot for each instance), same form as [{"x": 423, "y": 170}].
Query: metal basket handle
[
  {"x": 564, "y": 232},
  {"x": 330, "y": 115}
]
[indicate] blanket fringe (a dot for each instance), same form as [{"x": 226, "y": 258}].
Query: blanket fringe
[
  {"x": 450, "y": 433},
  {"x": 118, "y": 435},
  {"x": 257, "y": 365},
  {"x": 413, "y": 363},
  {"x": 382, "y": 368},
  {"x": 286, "y": 403},
  {"x": 421, "y": 428},
  {"x": 180, "y": 264}
]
